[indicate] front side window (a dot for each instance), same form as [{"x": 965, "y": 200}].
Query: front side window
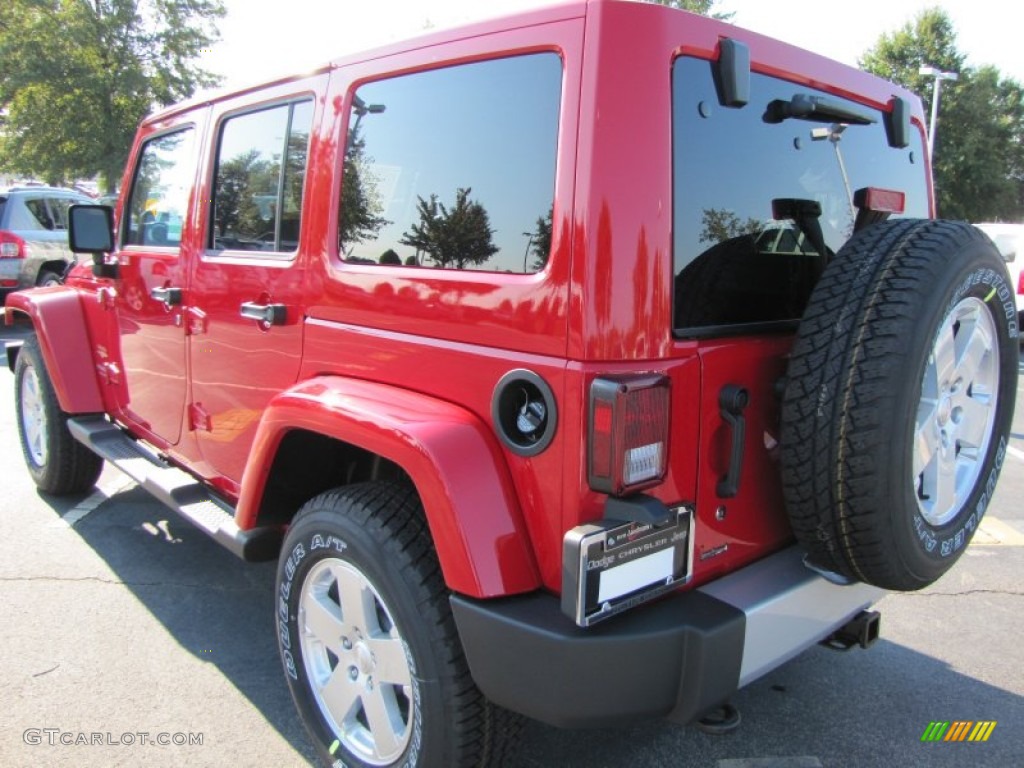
[
  {"x": 261, "y": 172},
  {"x": 760, "y": 204},
  {"x": 59, "y": 210},
  {"x": 454, "y": 168},
  {"x": 160, "y": 191}
]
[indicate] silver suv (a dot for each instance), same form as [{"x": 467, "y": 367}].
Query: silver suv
[{"x": 33, "y": 236}]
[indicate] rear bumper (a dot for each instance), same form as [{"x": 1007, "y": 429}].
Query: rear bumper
[{"x": 675, "y": 658}]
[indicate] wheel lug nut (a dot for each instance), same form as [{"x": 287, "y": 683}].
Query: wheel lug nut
[
  {"x": 346, "y": 644},
  {"x": 353, "y": 673}
]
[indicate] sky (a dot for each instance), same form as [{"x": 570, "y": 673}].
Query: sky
[{"x": 258, "y": 41}]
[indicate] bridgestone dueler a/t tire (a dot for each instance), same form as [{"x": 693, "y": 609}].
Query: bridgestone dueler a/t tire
[
  {"x": 358, "y": 583},
  {"x": 904, "y": 368}
]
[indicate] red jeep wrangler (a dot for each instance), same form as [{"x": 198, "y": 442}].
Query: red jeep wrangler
[{"x": 586, "y": 364}]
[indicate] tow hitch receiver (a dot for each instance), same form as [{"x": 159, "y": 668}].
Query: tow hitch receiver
[{"x": 861, "y": 630}]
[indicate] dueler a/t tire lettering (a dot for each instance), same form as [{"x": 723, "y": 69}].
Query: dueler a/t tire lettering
[
  {"x": 368, "y": 642},
  {"x": 899, "y": 400},
  {"x": 58, "y": 463}
]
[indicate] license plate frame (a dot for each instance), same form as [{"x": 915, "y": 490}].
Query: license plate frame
[{"x": 611, "y": 566}]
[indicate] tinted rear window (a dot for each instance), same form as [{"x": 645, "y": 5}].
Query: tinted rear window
[
  {"x": 454, "y": 168},
  {"x": 736, "y": 267}
]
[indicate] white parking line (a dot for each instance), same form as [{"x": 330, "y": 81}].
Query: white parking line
[
  {"x": 94, "y": 500},
  {"x": 995, "y": 533},
  {"x": 1015, "y": 452}
]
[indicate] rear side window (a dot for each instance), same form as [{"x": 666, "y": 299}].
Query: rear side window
[
  {"x": 160, "y": 190},
  {"x": 454, "y": 168},
  {"x": 736, "y": 266},
  {"x": 39, "y": 217},
  {"x": 261, "y": 172}
]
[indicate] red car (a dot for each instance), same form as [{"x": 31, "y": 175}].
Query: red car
[{"x": 585, "y": 364}]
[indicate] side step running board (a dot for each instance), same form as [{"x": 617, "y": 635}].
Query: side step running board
[{"x": 175, "y": 488}]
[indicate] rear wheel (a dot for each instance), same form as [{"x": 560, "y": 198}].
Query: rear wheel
[
  {"x": 48, "y": 277},
  {"x": 899, "y": 400},
  {"x": 368, "y": 642},
  {"x": 58, "y": 463}
]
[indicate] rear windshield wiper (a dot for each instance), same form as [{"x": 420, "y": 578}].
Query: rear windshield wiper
[{"x": 816, "y": 109}]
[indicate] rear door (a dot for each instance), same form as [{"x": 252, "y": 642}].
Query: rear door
[
  {"x": 760, "y": 206},
  {"x": 45, "y": 234},
  {"x": 246, "y": 312}
]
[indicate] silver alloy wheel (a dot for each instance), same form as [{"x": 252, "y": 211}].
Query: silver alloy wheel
[
  {"x": 956, "y": 415},
  {"x": 33, "y": 416},
  {"x": 357, "y": 663}
]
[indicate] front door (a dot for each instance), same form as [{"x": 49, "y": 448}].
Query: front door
[{"x": 156, "y": 246}]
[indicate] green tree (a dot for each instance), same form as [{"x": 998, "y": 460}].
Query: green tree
[
  {"x": 79, "y": 75},
  {"x": 979, "y": 144},
  {"x": 457, "y": 237},
  {"x": 703, "y": 7},
  {"x": 719, "y": 225},
  {"x": 542, "y": 240},
  {"x": 361, "y": 207},
  {"x": 235, "y": 209}
]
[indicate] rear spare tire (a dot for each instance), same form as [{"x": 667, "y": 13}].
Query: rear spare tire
[{"x": 899, "y": 400}]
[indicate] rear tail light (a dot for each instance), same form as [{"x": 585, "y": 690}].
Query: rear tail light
[
  {"x": 627, "y": 433},
  {"x": 11, "y": 246}
]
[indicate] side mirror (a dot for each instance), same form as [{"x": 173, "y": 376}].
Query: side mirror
[{"x": 91, "y": 230}]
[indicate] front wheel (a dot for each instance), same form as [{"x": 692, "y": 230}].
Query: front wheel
[
  {"x": 58, "y": 463},
  {"x": 369, "y": 646}
]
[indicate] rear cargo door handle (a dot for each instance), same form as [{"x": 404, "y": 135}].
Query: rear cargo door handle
[
  {"x": 268, "y": 314},
  {"x": 732, "y": 400},
  {"x": 169, "y": 296}
]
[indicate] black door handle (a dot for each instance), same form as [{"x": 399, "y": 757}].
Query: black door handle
[
  {"x": 732, "y": 400},
  {"x": 268, "y": 314}
]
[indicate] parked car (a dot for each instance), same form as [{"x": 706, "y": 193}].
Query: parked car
[
  {"x": 1009, "y": 239},
  {"x": 562, "y": 367},
  {"x": 33, "y": 235}
]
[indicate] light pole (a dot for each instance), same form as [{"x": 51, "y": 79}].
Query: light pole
[
  {"x": 834, "y": 133},
  {"x": 362, "y": 109},
  {"x": 526, "y": 254},
  {"x": 939, "y": 76}
]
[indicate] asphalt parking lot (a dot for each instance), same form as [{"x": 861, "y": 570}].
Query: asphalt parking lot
[{"x": 121, "y": 620}]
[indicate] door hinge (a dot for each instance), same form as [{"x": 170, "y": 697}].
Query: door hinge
[
  {"x": 198, "y": 418},
  {"x": 107, "y": 297},
  {"x": 195, "y": 321},
  {"x": 109, "y": 373}
]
